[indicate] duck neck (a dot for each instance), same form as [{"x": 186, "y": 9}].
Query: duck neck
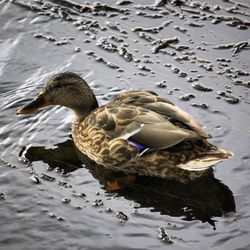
[{"x": 81, "y": 113}]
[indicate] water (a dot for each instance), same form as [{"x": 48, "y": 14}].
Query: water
[{"x": 50, "y": 197}]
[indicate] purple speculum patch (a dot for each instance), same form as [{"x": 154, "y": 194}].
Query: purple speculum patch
[{"x": 139, "y": 146}]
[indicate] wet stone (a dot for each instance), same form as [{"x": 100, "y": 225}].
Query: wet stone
[
  {"x": 242, "y": 27},
  {"x": 169, "y": 52},
  {"x": 35, "y": 179},
  {"x": 187, "y": 97},
  {"x": 146, "y": 36},
  {"x": 163, "y": 236},
  {"x": 116, "y": 39},
  {"x": 168, "y": 65},
  {"x": 181, "y": 29},
  {"x": 228, "y": 97},
  {"x": 52, "y": 215},
  {"x": 220, "y": 72},
  {"x": 124, "y": 18},
  {"x": 24, "y": 160},
  {"x": 125, "y": 54},
  {"x": 148, "y": 15},
  {"x": 199, "y": 76},
  {"x": 163, "y": 43},
  {"x": 242, "y": 83},
  {"x": 153, "y": 30},
  {"x": 161, "y": 84},
  {"x": 97, "y": 202},
  {"x": 208, "y": 67},
  {"x": 200, "y": 87},
  {"x": 222, "y": 64},
  {"x": 143, "y": 67},
  {"x": 175, "y": 70},
  {"x": 47, "y": 177},
  {"x": 112, "y": 65},
  {"x": 61, "y": 42},
  {"x": 58, "y": 170},
  {"x": 216, "y": 21},
  {"x": 160, "y": 3},
  {"x": 122, "y": 216},
  {"x": 59, "y": 218},
  {"x": 104, "y": 44},
  {"x": 89, "y": 52},
  {"x": 235, "y": 47},
  {"x": 66, "y": 200},
  {"x": 78, "y": 49},
  {"x": 182, "y": 74},
  {"x": 196, "y": 24},
  {"x": 64, "y": 184},
  {"x": 182, "y": 58},
  {"x": 164, "y": 12},
  {"x": 109, "y": 210},
  {"x": 112, "y": 26},
  {"x": 200, "y": 105},
  {"x": 78, "y": 207},
  {"x": 87, "y": 41},
  {"x": 99, "y": 59},
  {"x": 201, "y": 48},
  {"x": 47, "y": 37},
  {"x": 82, "y": 195},
  {"x": 216, "y": 7},
  {"x": 2, "y": 197},
  {"x": 147, "y": 61}
]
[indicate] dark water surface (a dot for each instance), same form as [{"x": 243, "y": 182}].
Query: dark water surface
[{"x": 197, "y": 55}]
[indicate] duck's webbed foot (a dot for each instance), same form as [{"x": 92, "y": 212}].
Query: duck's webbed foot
[{"x": 120, "y": 183}]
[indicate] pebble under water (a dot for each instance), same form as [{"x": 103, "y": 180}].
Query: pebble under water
[{"x": 194, "y": 53}]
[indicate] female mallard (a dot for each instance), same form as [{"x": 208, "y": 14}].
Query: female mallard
[{"x": 138, "y": 132}]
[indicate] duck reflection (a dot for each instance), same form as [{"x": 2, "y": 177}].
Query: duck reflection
[{"x": 201, "y": 199}]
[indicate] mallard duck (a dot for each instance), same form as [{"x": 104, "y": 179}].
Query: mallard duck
[{"x": 138, "y": 132}]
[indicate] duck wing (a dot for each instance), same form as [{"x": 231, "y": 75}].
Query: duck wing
[
  {"x": 151, "y": 101},
  {"x": 144, "y": 126}
]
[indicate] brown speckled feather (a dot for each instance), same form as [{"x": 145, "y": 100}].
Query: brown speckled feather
[{"x": 151, "y": 121}]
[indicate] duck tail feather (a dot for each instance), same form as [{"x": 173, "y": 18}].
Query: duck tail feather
[{"x": 207, "y": 160}]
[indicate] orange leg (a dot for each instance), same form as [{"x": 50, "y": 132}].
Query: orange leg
[{"x": 120, "y": 183}]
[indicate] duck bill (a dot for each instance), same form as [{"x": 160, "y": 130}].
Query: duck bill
[{"x": 39, "y": 102}]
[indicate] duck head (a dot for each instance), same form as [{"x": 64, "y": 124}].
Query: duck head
[{"x": 65, "y": 89}]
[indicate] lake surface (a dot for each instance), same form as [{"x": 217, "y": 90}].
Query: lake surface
[{"x": 196, "y": 55}]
